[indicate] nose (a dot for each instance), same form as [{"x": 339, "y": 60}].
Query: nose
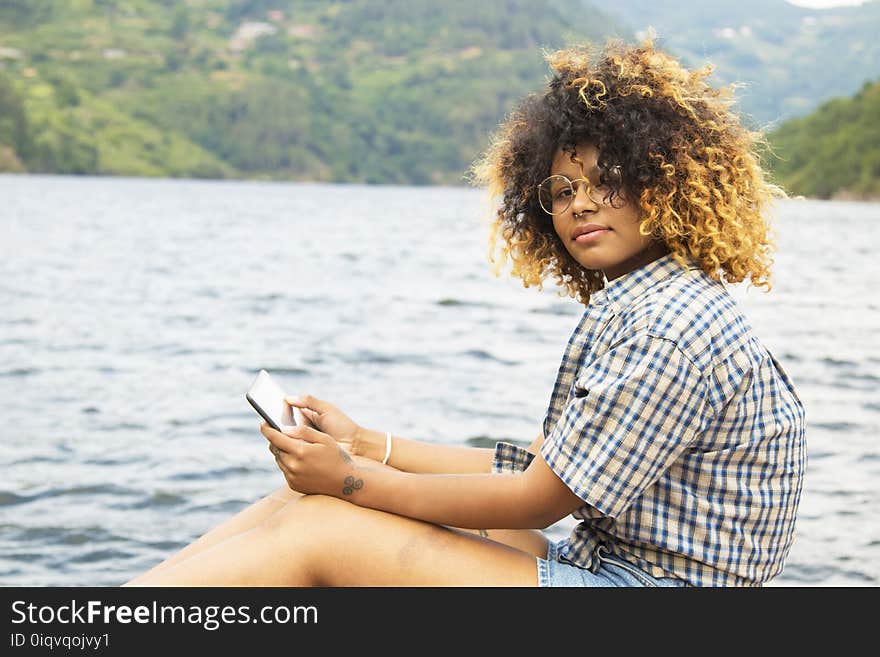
[{"x": 582, "y": 202}]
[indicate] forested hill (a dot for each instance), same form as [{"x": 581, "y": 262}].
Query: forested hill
[
  {"x": 378, "y": 91},
  {"x": 835, "y": 151},
  {"x": 392, "y": 91},
  {"x": 787, "y": 59}
]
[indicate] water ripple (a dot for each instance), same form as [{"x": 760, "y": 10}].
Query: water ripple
[
  {"x": 8, "y": 498},
  {"x": 157, "y": 499},
  {"x": 480, "y": 354},
  {"x": 211, "y": 475},
  {"x": 19, "y": 372},
  {"x": 846, "y": 427},
  {"x": 459, "y": 303},
  {"x": 490, "y": 442},
  {"x": 60, "y": 535}
]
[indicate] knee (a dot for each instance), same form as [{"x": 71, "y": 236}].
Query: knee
[
  {"x": 323, "y": 502},
  {"x": 312, "y": 511},
  {"x": 284, "y": 494},
  {"x": 324, "y": 510}
]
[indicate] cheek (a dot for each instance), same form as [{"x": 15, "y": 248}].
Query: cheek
[
  {"x": 558, "y": 227},
  {"x": 630, "y": 224},
  {"x": 637, "y": 234}
]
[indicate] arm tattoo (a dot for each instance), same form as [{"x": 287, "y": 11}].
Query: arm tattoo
[
  {"x": 484, "y": 533},
  {"x": 351, "y": 485}
]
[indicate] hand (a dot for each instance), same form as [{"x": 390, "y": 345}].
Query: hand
[
  {"x": 325, "y": 417},
  {"x": 312, "y": 462}
]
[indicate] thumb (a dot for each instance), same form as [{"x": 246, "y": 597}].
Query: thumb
[
  {"x": 310, "y": 402},
  {"x": 311, "y": 435},
  {"x": 311, "y": 417}
]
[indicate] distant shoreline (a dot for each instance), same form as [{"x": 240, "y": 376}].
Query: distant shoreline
[
  {"x": 305, "y": 181},
  {"x": 842, "y": 196}
]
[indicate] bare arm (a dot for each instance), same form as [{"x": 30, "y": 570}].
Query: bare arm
[
  {"x": 533, "y": 500},
  {"x": 535, "y": 447},
  {"x": 407, "y": 455},
  {"x": 537, "y": 498},
  {"x": 426, "y": 458}
]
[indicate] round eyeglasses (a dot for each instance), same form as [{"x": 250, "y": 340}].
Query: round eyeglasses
[{"x": 557, "y": 193}]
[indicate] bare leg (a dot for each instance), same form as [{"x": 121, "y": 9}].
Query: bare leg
[
  {"x": 531, "y": 541},
  {"x": 245, "y": 519},
  {"x": 242, "y": 521},
  {"x": 322, "y": 541}
]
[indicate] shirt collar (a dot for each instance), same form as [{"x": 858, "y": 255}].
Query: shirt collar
[{"x": 622, "y": 291}]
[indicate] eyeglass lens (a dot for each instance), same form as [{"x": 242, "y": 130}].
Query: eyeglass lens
[{"x": 557, "y": 193}]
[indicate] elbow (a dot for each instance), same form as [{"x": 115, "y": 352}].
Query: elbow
[
  {"x": 529, "y": 522},
  {"x": 546, "y": 520},
  {"x": 539, "y": 508},
  {"x": 539, "y": 517}
]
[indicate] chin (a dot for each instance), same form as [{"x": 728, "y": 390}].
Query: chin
[{"x": 595, "y": 264}]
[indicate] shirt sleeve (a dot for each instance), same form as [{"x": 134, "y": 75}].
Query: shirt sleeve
[
  {"x": 633, "y": 411},
  {"x": 510, "y": 459}
]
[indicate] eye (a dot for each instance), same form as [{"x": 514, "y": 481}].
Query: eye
[{"x": 562, "y": 192}]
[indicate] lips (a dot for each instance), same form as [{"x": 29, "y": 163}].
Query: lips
[{"x": 588, "y": 231}]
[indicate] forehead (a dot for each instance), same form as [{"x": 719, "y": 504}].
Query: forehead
[{"x": 584, "y": 158}]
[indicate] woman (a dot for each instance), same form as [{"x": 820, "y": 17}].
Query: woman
[{"x": 672, "y": 434}]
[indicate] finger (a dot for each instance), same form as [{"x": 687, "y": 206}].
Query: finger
[
  {"x": 308, "y": 401},
  {"x": 298, "y": 431},
  {"x": 286, "y": 443},
  {"x": 285, "y": 471},
  {"x": 310, "y": 414},
  {"x": 309, "y": 418},
  {"x": 267, "y": 430},
  {"x": 281, "y": 461},
  {"x": 279, "y": 457},
  {"x": 310, "y": 435}
]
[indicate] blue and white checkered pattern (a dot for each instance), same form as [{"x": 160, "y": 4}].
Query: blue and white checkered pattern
[{"x": 678, "y": 429}]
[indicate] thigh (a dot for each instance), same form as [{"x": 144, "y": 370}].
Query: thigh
[
  {"x": 350, "y": 545},
  {"x": 323, "y": 541},
  {"x": 532, "y": 541}
]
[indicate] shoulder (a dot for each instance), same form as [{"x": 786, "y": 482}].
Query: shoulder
[{"x": 695, "y": 313}]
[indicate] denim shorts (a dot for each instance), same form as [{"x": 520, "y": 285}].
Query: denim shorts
[{"x": 611, "y": 571}]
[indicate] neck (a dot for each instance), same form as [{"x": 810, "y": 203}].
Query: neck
[{"x": 654, "y": 252}]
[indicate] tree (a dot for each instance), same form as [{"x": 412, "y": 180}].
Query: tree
[{"x": 14, "y": 129}]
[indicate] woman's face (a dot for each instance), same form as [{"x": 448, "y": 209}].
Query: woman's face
[{"x": 596, "y": 234}]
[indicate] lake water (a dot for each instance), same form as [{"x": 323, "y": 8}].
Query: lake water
[{"x": 135, "y": 313}]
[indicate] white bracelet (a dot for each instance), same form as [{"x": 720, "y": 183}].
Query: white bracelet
[{"x": 387, "y": 447}]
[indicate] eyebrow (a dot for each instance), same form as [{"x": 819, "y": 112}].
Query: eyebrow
[{"x": 594, "y": 169}]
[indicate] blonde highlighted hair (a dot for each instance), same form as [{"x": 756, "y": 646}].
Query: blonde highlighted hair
[{"x": 688, "y": 162}]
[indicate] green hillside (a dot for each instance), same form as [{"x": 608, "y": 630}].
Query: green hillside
[
  {"x": 787, "y": 59},
  {"x": 376, "y": 91},
  {"x": 398, "y": 91},
  {"x": 833, "y": 152}
]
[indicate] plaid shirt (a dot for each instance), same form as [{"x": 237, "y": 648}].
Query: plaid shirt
[{"x": 677, "y": 428}]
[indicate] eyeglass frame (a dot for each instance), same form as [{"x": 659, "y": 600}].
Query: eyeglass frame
[{"x": 590, "y": 189}]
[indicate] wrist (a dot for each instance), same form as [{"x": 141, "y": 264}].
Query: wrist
[{"x": 369, "y": 444}]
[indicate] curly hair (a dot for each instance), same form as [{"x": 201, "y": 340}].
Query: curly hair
[{"x": 693, "y": 168}]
